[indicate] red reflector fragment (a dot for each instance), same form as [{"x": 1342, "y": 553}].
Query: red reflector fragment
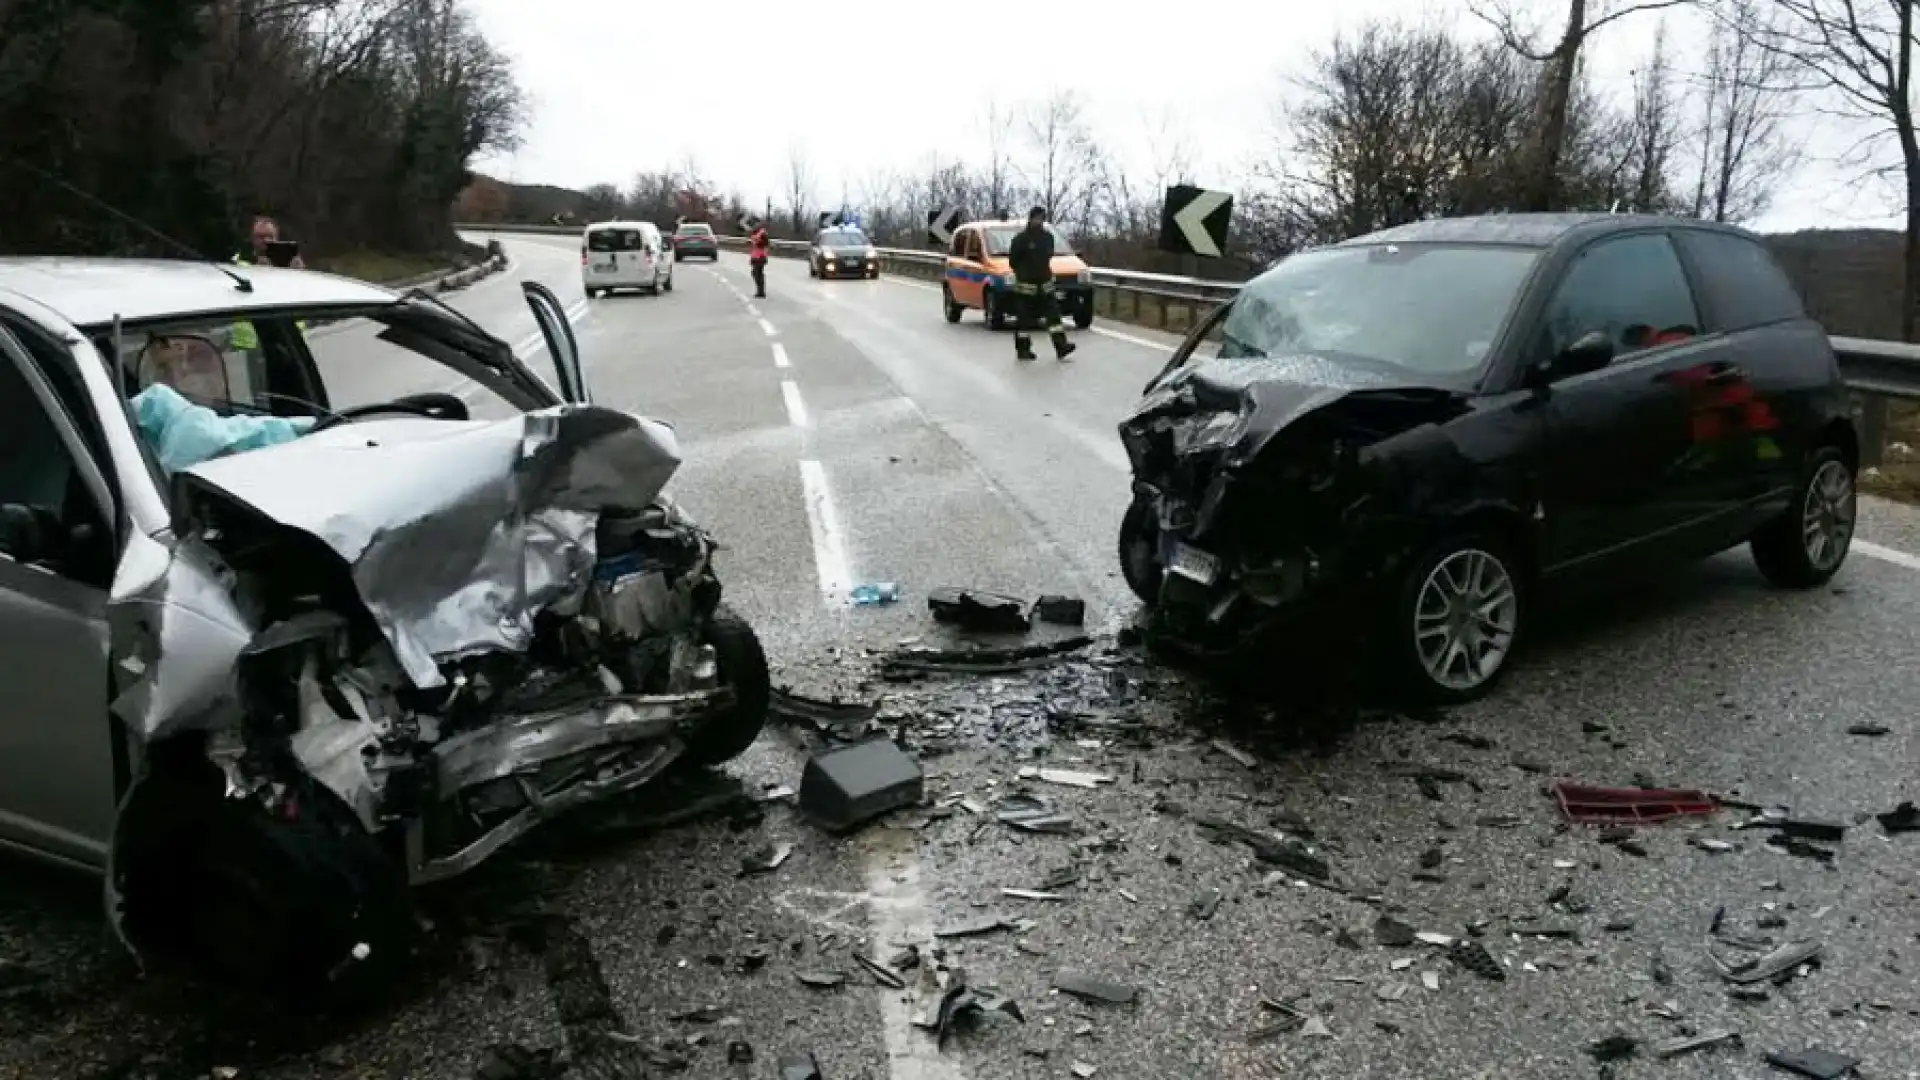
[{"x": 1585, "y": 804}]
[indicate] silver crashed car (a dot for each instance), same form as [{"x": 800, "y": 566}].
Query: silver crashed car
[{"x": 272, "y": 660}]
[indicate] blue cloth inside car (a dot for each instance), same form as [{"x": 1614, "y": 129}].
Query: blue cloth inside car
[{"x": 183, "y": 434}]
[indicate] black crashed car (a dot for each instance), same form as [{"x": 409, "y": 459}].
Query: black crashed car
[
  {"x": 843, "y": 251},
  {"x": 1405, "y": 435}
]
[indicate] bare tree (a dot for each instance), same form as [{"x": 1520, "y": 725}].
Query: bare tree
[
  {"x": 800, "y": 187},
  {"x": 1655, "y": 132},
  {"x": 1561, "y": 65},
  {"x": 1862, "y": 58},
  {"x": 1065, "y": 166},
  {"x": 1743, "y": 148},
  {"x": 999, "y": 172}
]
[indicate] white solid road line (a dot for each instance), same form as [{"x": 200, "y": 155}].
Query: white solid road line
[
  {"x": 536, "y": 341},
  {"x": 1887, "y": 554},
  {"x": 1130, "y": 339},
  {"x": 829, "y": 555},
  {"x": 898, "y": 912},
  {"x": 796, "y": 409},
  {"x": 752, "y": 308},
  {"x": 766, "y": 328},
  {"x": 780, "y": 355}
]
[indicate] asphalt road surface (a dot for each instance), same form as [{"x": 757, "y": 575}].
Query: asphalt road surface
[{"x": 842, "y": 432}]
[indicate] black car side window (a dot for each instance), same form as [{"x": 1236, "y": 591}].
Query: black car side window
[
  {"x": 1632, "y": 289},
  {"x": 1742, "y": 284}
]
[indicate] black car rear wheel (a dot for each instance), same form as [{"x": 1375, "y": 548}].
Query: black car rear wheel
[
  {"x": 1455, "y": 619},
  {"x": 1083, "y": 316},
  {"x": 1804, "y": 547},
  {"x": 1140, "y": 551},
  {"x": 950, "y": 305}
]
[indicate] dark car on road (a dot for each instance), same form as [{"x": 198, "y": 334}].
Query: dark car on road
[
  {"x": 843, "y": 251},
  {"x": 1405, "y": 435},
  {"x": 695, "y": 238}
]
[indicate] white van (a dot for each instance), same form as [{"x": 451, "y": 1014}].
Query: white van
[{"x": 624, "y": 255}]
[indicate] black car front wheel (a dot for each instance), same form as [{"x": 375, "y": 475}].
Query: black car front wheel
[
  {"x": 1805, "y": 546},
  {"x": 1140, "y": 551},
  {"x": 1455, "y": 619}
]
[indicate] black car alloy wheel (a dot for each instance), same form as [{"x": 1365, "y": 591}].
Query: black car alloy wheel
[
  {"x": 1459, "y": 614},
  {"x": 1804, "y": 547}
]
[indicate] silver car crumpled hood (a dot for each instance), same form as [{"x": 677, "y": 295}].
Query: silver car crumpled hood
[{"x": 457, "y": 533}]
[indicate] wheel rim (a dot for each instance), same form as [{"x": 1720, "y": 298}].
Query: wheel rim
[
  {"x": 1826, "y": 517},
  {"x": 1464, "y": 619}
]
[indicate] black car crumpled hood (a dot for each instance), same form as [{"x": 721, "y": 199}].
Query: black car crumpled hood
[{"x": 1234, "y": 408}]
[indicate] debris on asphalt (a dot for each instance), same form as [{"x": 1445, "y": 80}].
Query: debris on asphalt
[
  {"x": 883, "y": 974},
  {"x": 986, "y": 924},
  {"x": 1689, "y": 1043},
  {"x": 843, "y": 789},
  {"x": 755, "y": 958},
  {"x": 1869, "y": 730},
  {"x": 1659, "y": 970},
  {"x": 1287, "y": 852},
  {"x": 1088, "y": 988},
  {"x": 1712, "y": 846},
  {"x": 1083, "y": 1070},
  {"x": 1030, "y": 813},
  {"x": 824, "y": 716},
  {"x": 822, "y": 980},
  {"x": 1316, "y": 1028},
  {"x": 1615, "y": 1047},
  {"x": 1392, "y": 932},
  {"x": 1499, "y": 821},
  {"x": 977, "y": 661},
  {"x": 1586, "y": 804},
  {"x": 766, "y": 859},
  {"x": 699, "y": 1014},
  {"x": 1814, "y": 1062},
  {"x": 1390, "y": 991},
  {"x": 1204, "y": 905},
  {"x": 1474, "y": 957},
  {"x": 960, "y": 1004},
  {"x": 884, "y": 592},
  {"x": 1239, "y": 756},
  {"x": 1060, "y": 610},
  {"x": 1428, "y": 937},
  {"x": 1430, "y": 980},
  {"x": 1785, "y": 958},
  {"x": 1030, "y": 894},
  {"x": 1801, "y": 848},
  {"x": 1902, "y": 818},
  {"x": 800, "y": 1067},
  {"x": 1067, "y": 777},
  {"x": 1829, "y": 832},
  {"x": 984, "y": 612},
  {"x": 1468, "y": 739}
]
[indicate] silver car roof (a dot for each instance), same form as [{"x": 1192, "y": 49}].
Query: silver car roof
[{"x": 90, "y": 292}]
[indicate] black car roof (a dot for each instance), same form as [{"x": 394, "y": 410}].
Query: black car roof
[{"x": 1527, "y": 230}]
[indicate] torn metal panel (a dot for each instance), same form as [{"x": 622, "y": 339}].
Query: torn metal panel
[
  {"x": 176, "y": 633},
  {"x": 456, "y": 534},
  {"x": 521, "y": 744}
]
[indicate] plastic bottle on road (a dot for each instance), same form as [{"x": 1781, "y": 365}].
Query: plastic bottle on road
[{"x": 885, "y": 592}]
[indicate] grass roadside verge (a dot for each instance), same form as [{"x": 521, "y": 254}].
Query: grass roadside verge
[{"x": 382, "y": 267}]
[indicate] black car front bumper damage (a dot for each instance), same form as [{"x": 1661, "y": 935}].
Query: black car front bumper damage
[{"x": 1278, "y": 506}]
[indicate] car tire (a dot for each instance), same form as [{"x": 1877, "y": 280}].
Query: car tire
[
  {"x": 271, "y": 904},
  {"x": 996, "y": 318},
  {"x": 1805, "y": 546},
  {"x": 593, "y": 294},
  {"x": 742, "y": 665},
  {"x": 873, "y": 275},
  {"x": 950, "y": 305},
  {"x": 1083, "y": 317},
  {"x": 1140, "y": 551},
  {"x": 1470, "y": 568},
  {"x": 677, "y": 257},
  {"x": 667, "y": 285}
]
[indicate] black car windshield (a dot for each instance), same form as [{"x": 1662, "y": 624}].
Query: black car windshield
[
  {"x": 1431, "y": 311},
  {"x": 843, "y": 238},
  {"x": 1000, "y": 240}
]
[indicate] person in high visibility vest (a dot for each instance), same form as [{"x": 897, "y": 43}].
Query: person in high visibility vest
[
  {"x": 757, "y": 260},
  {"x": 265, "y": 231},
  {"x": 1030, "y": 256}
]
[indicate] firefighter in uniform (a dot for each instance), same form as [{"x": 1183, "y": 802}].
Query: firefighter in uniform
[
  {"x": 757, "y": 260},
  {"x": 1031, "y": 258}
]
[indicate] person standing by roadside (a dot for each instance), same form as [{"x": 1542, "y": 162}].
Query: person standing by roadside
[
  {"x": 757, "y": 259},
  {"x": 1031, "y": 258},
  {"x": 265, "y": 231}
]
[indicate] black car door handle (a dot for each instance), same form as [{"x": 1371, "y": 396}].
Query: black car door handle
[{"x": 1723, "y": 373}]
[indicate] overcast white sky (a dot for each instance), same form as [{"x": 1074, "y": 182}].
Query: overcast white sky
[{"x": 864, "y": 86}]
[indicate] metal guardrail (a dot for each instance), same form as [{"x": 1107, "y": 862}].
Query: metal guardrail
[{"x": 1876, "y": 370}]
